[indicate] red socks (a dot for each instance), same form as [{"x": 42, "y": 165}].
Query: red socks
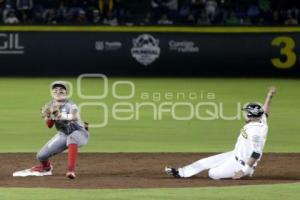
[
  {"x": 45, "y": 164},
  {"x": 72, "y": 156}
]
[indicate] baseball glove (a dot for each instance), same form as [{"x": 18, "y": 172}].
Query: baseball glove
[
  {"x": 50, "y": 111},
  {"x": 54, "y": 111},
  {"x": 46, "y": 111}
]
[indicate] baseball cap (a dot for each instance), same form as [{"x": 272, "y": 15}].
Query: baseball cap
[{"x": 59, "y": 84}]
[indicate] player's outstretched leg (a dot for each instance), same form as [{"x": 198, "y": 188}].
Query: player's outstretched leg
[
  {"x": 198, "y": 166},
  {"x": 55, "y": 145}
]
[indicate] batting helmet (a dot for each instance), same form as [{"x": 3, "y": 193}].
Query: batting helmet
[{"x": 254, "y": 110}]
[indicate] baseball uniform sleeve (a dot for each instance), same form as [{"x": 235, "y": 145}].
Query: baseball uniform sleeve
[
  {"x": 257, "y": 139},
  {"x": 74, "y": 108},
  {"x": 264, "y": 119}
]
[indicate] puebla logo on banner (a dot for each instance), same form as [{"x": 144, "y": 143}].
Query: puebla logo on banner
[{"x": 145, "y": 49}]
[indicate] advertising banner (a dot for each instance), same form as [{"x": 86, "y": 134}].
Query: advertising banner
[{"x": 65, "y": 53}]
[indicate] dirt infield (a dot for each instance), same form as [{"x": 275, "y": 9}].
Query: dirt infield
[{"x": 139, "y": 170}]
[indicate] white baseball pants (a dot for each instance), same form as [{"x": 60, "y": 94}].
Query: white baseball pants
[{"x": 220, "y": 166}]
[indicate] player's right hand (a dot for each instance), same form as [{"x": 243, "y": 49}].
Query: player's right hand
[{"x": 238, "y": 175}]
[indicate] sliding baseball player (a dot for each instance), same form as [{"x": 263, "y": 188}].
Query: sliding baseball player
[{"x": 248, "y": 150}]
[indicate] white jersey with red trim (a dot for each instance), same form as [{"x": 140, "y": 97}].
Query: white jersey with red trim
[{"x": 251, "y": 139}]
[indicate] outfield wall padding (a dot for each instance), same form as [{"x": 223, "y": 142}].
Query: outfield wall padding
[{"x": 150, "y": 51}]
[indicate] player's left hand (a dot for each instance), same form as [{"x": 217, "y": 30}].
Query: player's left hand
[{"x": 238, "y": 175}]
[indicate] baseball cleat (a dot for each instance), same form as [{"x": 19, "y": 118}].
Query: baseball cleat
[
  {"x": 172, "y": 172},
  {"x": 70, "y": 174},
  {"x": 38, "y": 170}
]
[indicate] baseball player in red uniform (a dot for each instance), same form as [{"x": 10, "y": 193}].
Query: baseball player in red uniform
[{"x": 72, "y": 133}]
